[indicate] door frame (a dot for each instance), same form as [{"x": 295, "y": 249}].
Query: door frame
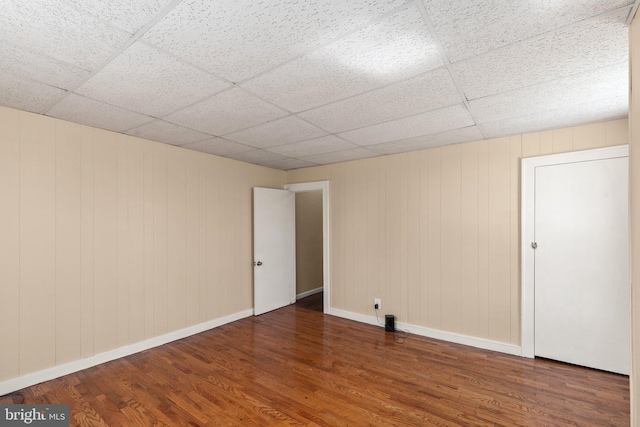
[
  {"x": 527, "y": 223},
  {"x": 326, "y": 267}
]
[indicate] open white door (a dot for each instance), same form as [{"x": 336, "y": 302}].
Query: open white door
[
  {"x": 581, "y": 263},
  {"x": 273, "y": 249}
]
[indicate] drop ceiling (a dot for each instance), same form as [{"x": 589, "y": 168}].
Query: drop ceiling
[{"x": 296, "y": 83}]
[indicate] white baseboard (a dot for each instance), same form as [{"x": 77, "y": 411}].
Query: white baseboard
[
  {"x": 78, "y": 365},
  {"x": 482, "y": 343},
  {"x": 309, "y": 293}
]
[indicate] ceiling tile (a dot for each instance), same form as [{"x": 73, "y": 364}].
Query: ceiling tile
[
  {"x": 436, "y": 121},
  {"x": 278, "y": 132},
  {"x": 416, "y": 95},
  {"x": 321, "y": 145},
  {"x": 590, "y": 45},
  {"x": 226, "y": 112},
  {"x": 60, "y": 31},
  {"x": 288, "y": 164},
  {"x": 613, "y": 108},
  {"x": 168, "y": 133},
  {"x": 78, "y": 109},
  {"x": 218, "y": 146},
  {"x": 253, "y": 37},
  {"x": 42, "y": 68},
  {"x": 258, "y": 157},
  {"x": 455, "y": 136},
  {"x": 129, "y": 15},
  {"x": 592, "y": 86},
  {"x": 472, "y": 27},
  {"x": 24, "y": 94},
  {"x": 147, "y": 81},
  {"x": 340, "y": 156},
  {"x": 390, "y": 50}
]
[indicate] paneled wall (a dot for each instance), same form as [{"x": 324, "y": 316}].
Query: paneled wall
[
  {"x": 436, "y": 234},
  {"x": 107, "y": 240}
]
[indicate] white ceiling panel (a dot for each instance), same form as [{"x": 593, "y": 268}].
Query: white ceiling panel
[
  {"x": 150, "y": 82},
  {"x": 252, "y": 37},
  {"x": 23, "y": 94},
  {"x": 59, "y": 31},
  {"x": 288, "y": 164},
  {"x": 593, "y": 86},
  {"x": 226, "y": 112},
  {"x": 168, "y": 133},
  {"x": 472, "y": 27},
  {"x": 218, "y": 146},
  {"x": 258, "y": 157},
  {"x": 609, "y": 109},
  {"x": 278, "y": 132},
  {"x": 321, "y": 145},
  {"x": 129, "y": 15},
  {"x": 78, "y": 109},
  {"x": 426, "y": 92},
  {"x": 456, "y": 136},
  {"x": 390, "y": 50},
  {"x": 587, "y": 46},
  {"x": 39, "y": 67},
  {"x": 436, "y": 121},
  {"x": 340, "y": 156}
]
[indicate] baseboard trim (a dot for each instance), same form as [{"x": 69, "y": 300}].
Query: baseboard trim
[
  {"x": 309, "y": 293},
  {"x": 88, "y": 362},
  {"x": 482, "y": 343}
]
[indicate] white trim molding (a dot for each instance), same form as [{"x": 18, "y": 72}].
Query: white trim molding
[
  {"x": 88, "y": 362},
  {"x": 527, "y": 218},
  {"x": 482, "y": 343},
  {"x": 309, "y": 293}
]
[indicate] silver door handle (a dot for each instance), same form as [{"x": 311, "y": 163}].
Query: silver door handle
[{"x": 259, "y": 263}]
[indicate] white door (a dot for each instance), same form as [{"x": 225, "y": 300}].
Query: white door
[
  {"x": 581, "y": 264},
  {"x": 273, "y": 249}
]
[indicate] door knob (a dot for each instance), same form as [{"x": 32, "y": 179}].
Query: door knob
[{"x": 259, "y": 263}]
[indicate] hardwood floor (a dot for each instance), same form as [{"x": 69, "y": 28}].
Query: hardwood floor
[{"x": 296, "y": 366}]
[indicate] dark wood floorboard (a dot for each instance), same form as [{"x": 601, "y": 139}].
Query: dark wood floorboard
[{"x": 297, "y": 367}]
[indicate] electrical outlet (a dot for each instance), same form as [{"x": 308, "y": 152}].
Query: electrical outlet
[{"x": 377, "y": 304}]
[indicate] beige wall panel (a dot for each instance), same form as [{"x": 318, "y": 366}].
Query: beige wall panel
[
  {"x": 212, "y": 301},
  {"x": 176, "y": 233},
  {"x": 37, "y": 243},
  {"x": 148, "y": 158},
  {"x": 562, "y": 140},
  {"x": 483, "y": 239},
  {"x": 68, "y": 241},
  {"x": 134, "y": 167},
  {"x": 245, "y": 259},
  {"x": 546, "y": 142},
  {"x": 423, "y": 296},
  {"x": 105, "y": 224},
  {"x": 617, "y": 132},
  {"x": 392, "y": 236},
  {"x": 373, "y": 244},
  {"x": 203, "y": 236},
  {"x": 229, "y": 242},
  {"x": 514, "y": 214},
  {"x": 634, "y": 216},
  {"x": 413, "y": 234},
  {"x": 86, "y": 242},
  {"x": 160, "y": 240},
  {"x": 308, "y": 241},
  {"x": 589, "y": 136},
  {"x": 123, "y": 142},
  {"x": 499, "y": 240},
  {"x": 193, "y": 226},
  {"x": 317, "y": 173},
  {"x": 337, "y": 236},
  {"x": 434, "y": 246},
  {"x": 404, "y": 217},
  {"x": 9, "y": 243},
  {"x": 361, "y": 295},
  {"x": 531, "y": 144},
  {"x": 469, "y": 239},
  {"x": 450, "y": 232},
  {"x": 349, "y": 285}
]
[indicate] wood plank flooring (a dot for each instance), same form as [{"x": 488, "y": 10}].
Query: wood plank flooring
[{"x": 296, "y": 366}]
